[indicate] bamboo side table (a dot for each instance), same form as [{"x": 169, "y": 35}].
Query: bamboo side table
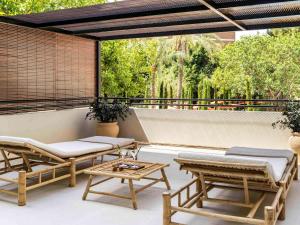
[{"x": 107, "y": 169}]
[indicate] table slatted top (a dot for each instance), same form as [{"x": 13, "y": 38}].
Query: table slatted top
[{"x": 106, "y": 169}]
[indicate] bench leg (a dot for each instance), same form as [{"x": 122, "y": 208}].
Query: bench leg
[
  {"x": 72, "y": 182},
  {"x": 166, "y": 208},
  {"x": 199, "y": 190},
  {"x": 269, "y": 215},
  {"x": 282, "y": 213},
  {"x": 22, "y": 188}
]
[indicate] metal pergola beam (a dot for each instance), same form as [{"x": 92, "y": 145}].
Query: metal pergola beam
[
  {"x": 215, "y": 10},
  {"x": 165, "y": 33}
]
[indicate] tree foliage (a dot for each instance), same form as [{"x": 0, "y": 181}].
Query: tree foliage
[
  {"x": 263, "y": 66},
  {"x": 14, "y": 7}
]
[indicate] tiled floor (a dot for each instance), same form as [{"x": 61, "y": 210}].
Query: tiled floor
[{"x": 57, "y": 204}]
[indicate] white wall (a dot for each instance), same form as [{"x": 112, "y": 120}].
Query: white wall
[
  {"x": 221, "y": 129},
  {"x": 48, "y": 126},
  {"x": 201, "y": 128}
]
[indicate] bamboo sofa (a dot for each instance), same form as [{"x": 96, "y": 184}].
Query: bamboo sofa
[
  {"x": 62, "y": 160},
  {"x": 258, "y": 170}
]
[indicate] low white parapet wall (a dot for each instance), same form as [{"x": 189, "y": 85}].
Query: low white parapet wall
[
  {"x": 220, "y": 129},
  {"x": 48, "y": 126}
]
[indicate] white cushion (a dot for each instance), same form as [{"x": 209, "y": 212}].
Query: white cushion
[
  {"x": 77, "y": 148},
  {"x": 275, "y": 166},
  {"x": 278, "y": 165},
  {"x": 70, "y": 148},
  {"x": 261, "y": 152},
  {"x": 25, "y": 141}
]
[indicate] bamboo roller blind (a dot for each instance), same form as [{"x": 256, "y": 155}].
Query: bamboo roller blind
[{"x": 40, "y": 65}]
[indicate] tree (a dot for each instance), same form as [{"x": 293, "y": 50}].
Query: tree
[
  {"x": 124, "y": 68},
  {"x": 14, "y": 7},
  {"x": 263, "y": 66},
  {"x": 200, "y": 64},
  {"x": 181, "y": 51}
]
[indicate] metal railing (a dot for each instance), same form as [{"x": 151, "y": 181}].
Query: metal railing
[
  {"x": 33, "y": 105},
  {"x": 205, "y": 104}
]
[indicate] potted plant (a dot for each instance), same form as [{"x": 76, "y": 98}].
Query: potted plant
[
  {"x": 291, "y": 120},
  {"x": 107, "y": 114}
]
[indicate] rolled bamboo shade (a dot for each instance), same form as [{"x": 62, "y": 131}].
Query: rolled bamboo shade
[{"x": 37, "y": 65}]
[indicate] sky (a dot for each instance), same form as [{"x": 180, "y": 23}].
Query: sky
[{"x": 240, "y": 34}]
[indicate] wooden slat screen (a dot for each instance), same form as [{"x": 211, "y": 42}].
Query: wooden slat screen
[{"x": 41, "y": 70}]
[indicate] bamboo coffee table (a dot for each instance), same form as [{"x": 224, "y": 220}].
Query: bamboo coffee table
[{"x": 106, "y": 169}]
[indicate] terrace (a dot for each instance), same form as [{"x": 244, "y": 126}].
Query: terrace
[{"x": 50, "y": 72}]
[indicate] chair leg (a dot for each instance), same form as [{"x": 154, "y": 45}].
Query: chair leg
[
  {"x": 282, "y": 213},
  {"x": 269, "y": 215},
  {"x": 22, "y": 188},
  {"x": 166, "y": 208},
  {"x": 199, "y": 190},
  {"x": 72, "y": 173}
]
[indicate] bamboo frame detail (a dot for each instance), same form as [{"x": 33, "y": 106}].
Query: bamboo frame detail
[
  {"x": 209, "y": 176},
  {"x": 58, "y": 168},
  {"x": 106, "y": 169}
]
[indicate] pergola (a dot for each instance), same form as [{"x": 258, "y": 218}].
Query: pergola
[{"x": 149, "y": 18}]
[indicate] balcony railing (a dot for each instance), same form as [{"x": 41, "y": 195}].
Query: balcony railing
[
  {"x": 33, "y": 105},
  {"x": 206, "y": 104}
]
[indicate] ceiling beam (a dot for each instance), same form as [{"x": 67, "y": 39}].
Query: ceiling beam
[
  {"x": 215, "y": 10},
  {"x": 164, "y": 33},
  {"x": 149, "y": 25}
]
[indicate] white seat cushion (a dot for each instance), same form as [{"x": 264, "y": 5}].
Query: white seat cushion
[
  {"x": 76, "y": 148},
  {"x": 70, "y": 148},
  {"x": 278, "y": 165},
  {"x": 261, "y": 152},
  {"x": 275, "y": 166}
]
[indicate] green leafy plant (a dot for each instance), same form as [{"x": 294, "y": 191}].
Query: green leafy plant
[
  {"x": 291, "y": 117},
  {"x": 107, "y": 112}
]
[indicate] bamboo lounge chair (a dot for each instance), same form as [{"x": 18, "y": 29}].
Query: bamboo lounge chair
[
  {"x": 246, "y": 169},
  {"x": 63, "y": 160}
]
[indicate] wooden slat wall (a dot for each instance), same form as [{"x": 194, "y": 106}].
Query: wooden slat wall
[{"x": 36, "y": 64}]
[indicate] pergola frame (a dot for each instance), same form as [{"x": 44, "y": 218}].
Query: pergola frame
[{"x": 149, "y": 18}]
